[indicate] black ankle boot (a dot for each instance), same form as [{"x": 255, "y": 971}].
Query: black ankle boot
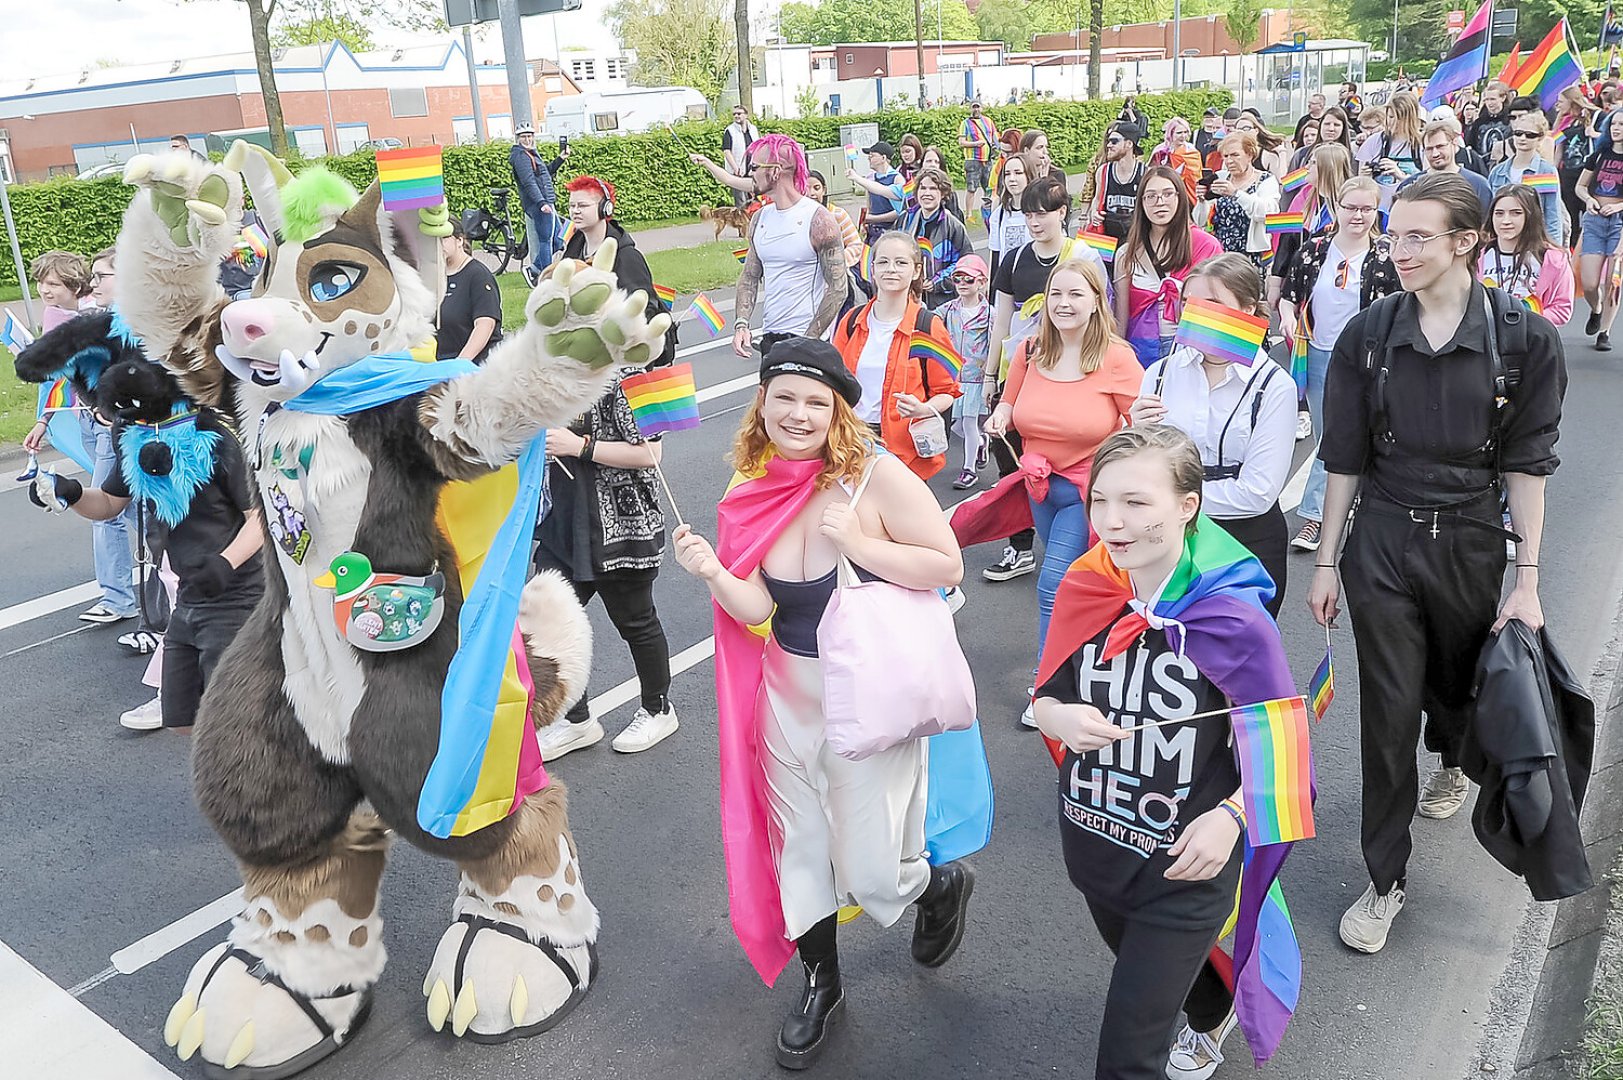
[
  {"x": 939, "y": 926},
  {"x": 805, "y": 1030}
]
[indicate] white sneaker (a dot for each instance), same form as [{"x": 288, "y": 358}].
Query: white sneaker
[
  {"x": 646, "y": 730},
  {"x": 955, "y": 599},
  {"x": 1029, "y": 717},
  {"x": 1369, "y": 920},
  {"x": 1197, "y": 1054},
  {"x": 562, "y": 737},
  {"x": 1304, "y": 426},
  {"x": 147, "y": 717},
  {"x": 1445, "y": 792},
  {"x": 102, "y": 614}
]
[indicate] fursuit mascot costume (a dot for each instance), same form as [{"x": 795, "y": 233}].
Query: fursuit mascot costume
[{"x": 390, "y": 678}]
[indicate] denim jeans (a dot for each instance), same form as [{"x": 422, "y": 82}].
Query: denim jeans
[
  {"x": 1062, "y": 522},
  {"x": 110, "y": 540},
  {"x": 543, "y": 228},
  {"x": 1318, "y": 362}
]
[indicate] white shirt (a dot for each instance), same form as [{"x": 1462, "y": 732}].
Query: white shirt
[
  {"x": 871, "y": 367},
  {"x": 1336, "y": 300},
  {"x": 1203, "y": 412},
  {"x": 791, "y": 283},
  {"x": 1008, "y": 230}
]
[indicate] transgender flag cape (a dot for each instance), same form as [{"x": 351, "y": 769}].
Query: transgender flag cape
[{"x": 1213, "y": 611}]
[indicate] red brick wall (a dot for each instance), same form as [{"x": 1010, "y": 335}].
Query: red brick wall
[
  {"x": 47, "y": 141},
  {"x": 894, "y": 60},
  {"x": 1209, "y": 36}
]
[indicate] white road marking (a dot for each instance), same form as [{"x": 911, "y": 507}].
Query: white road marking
[
  {"x": 613, "y": 698},
  {"x": 48, "y": 1033},
  {"x": 162, "y": 942},
  {"x": 17, "y": 614},
  {"x": 47, "y": 641}
]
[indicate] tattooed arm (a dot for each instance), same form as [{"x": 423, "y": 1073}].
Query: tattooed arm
[
  {"x": 825, "y": 241},
  {"x": 744, "y": 302}
]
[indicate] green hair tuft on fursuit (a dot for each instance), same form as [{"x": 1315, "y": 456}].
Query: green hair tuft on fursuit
[{"x": 311, "y": 200}]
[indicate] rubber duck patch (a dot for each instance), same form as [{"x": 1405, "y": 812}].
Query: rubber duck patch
[{"x": 382, "y": 612}]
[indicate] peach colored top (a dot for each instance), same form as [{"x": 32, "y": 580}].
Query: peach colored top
[{"x": 1066, "y": 422}]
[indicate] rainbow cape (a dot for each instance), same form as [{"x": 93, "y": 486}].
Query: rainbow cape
[
  {"x": 488, "y": 758},
  {"x": 1213, "y": 609},
  {"x": 958, "y": 814}
]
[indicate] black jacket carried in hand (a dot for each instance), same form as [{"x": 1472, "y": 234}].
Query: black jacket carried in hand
[{"x": 1530, "y": 745}]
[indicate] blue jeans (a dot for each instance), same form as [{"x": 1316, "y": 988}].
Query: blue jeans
[
  {"x": 1062, "y": 522},
  {"x": 543, "y": 230},
  {"x": 1318, "y": 362},
  {"x": 110, "y": 540}
]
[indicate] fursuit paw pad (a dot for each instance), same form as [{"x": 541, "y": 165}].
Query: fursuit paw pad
[
  {"x": 188, "y": 196},
  {"x": 491, "y": 983},
  {"x": 583, "y": 316},
  {"x": 244, "y": 1021}
]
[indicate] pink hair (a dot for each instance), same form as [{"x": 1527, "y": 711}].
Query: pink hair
[{"x": 782, "y": 150}]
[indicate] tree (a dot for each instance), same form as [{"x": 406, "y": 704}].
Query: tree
[
  {"x": 1243, "y": 21},
  {"x": 746, "y": 76},
  {"x": 678, "y": 42},
  {"x": 333, "y": 26},
  {"x": 1096, "y": 33},
  {"x": 835, "y": 21},
  {"x": 1008, "y": 21}
]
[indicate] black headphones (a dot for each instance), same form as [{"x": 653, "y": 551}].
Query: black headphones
[{"x": 605, "y": 206}]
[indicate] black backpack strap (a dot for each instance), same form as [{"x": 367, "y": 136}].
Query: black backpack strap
[
  {"x": 1507, "y": 336},
  {"x": 1378, "y": 321},
  {"x": 851, "y": 319}
]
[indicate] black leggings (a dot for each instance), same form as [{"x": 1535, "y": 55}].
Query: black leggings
[
  {"x": 192, "y": 645},
  {"x": 1165, "y": 971},
  {"x": 628, "y": 597},
  {"x": 1268, "y": 538}
]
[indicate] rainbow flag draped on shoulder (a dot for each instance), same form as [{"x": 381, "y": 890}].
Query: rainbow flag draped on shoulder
[{"x": 1212, "y": 610}]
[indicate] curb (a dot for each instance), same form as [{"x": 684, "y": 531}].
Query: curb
[{"x": 1559, "y": 1005}]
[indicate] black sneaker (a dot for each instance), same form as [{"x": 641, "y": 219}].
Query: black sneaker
[
  {"x": 1603, "y": 342},
  {"x": 1593, "y": 325},
  {"x": 1013, "y": 564}
]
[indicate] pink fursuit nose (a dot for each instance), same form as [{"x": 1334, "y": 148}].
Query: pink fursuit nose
[{"x": 246, "y": 321}]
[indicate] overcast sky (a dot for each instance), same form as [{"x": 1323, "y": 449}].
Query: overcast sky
[{"x": 44, "y": 39}]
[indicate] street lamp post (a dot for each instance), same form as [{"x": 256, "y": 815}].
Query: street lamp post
[
  {"x": 1177, "y": 44},
  {"x": 11, "y": 232},
  {"x": 918, "y": 40}
]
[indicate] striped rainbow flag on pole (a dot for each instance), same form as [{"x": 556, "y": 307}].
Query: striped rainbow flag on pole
[
  {"x": 1276, "y": 770},
  {"x": 705, "y": 313},
  {"x": 1221, "y": 333},
  {"x": 662, "y": 400},
  {"x": 412, "y": 178}
]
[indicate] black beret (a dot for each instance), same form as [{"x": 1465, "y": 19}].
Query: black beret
[{"x": 814, "y": 359}]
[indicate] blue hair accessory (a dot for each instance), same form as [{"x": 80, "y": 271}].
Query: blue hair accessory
[{"x": 191, "y": 452}]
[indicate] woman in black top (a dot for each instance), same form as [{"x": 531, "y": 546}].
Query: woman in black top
[{"x": 471, "y": 313}]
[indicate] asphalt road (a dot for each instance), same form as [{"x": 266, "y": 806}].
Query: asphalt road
[{"x": 100, "y": 845}]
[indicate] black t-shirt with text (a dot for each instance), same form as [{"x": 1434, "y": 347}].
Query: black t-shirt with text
[
  {"x": 217, "y": 512},
  {"x": 1607, "y": 165},
  {"x": 470, "y": 294},
  {"x": 1122, "y": 806}
]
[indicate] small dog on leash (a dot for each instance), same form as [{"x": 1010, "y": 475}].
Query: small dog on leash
[{"x": 722, "y": 218}]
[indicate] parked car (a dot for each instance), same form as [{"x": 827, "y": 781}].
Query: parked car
[
  {"x": 375, "y": 145},
  {"x": 97, "y": 172}
]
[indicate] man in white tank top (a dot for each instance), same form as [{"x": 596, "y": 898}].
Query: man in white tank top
[{"x": 795, "y": 255}]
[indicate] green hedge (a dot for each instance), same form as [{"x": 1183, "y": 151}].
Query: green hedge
[{"x": 652, "y": 176}]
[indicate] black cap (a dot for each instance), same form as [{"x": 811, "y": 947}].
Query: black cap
[
  {"x": 1211, "y": 110},
  {"x": 815, "y": 359},
  {"x": 1130, "y": 132},
  {"x": 880, "y": 147}
]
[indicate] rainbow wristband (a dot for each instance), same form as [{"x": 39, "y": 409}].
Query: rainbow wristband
[{"x": 1236, "y": 811}]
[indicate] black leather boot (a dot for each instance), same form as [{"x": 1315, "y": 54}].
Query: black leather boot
[
  {"x": 939, "y": 926},
  {"x": 805, "y": 1030}
]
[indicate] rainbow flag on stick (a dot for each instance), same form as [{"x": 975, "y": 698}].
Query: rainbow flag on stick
[
  {"x": 412, "y": 178},
  {"x": 1548, "y": 69},
  {"x": 256, "y": 239},
  {"x": 1276, "y": 770},
  {"x": 925, "y": 348},
  {"x": 1293, "y": 180},
  {"x": 666, "y": 294},
  {"x": 1099, "y": 242},
  {"x": 705, "y": 313},
  {"x": 58, "y": 395},
  {"x": 741, "y": 254},
  {"x": 1321, "y": 689},
  {"x": 662, "y": 400},
  {"x": 1221, "y": 332},
  {"x": 1543, "y": 183},
  {"x": 1279, "y": 224}
]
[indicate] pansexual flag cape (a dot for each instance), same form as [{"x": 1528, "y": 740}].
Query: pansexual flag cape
[{"x": 1213, "y": 605}]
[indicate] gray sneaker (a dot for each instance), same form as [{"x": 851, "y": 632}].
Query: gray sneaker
[
  {"x": 1369, "y": 920},
  {"x": 1445, "y": 792},
  {"x": 1197, "y": 1054}
]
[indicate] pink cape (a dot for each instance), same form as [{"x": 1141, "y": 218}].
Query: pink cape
[{"x": 751, "y": 516}]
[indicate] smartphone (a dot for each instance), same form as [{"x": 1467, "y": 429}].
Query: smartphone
[{"x": 563, "y": 143}]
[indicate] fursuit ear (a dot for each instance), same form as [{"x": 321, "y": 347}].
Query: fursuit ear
[
  {"x": 264, "y": 175},
  {"x": 413, "y": 237},
  {"x": 80, "y": 348}
]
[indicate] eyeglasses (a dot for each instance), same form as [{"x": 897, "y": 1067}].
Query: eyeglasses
[
  {"x": 1354, "y": 208},
  {"x": 1113, "y": 140},
  {"x": 101, "y": 275},
  {"x": 1525, "y": 134},
  {"x": 1155, "y": 197},
  {"x": 1412, "y": 243}
]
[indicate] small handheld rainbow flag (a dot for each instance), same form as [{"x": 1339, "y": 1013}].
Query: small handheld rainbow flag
[
  {"x": 1220, "y": 332},
  {"x": 911, "y": 186},
  {"x": 1534, "y": 304},
  {"x": 1276, "y": 770},
  {"x": 1321, "y": 689},
  {"x": 1284, "y": 223},
  {"x": 1299, "y": 352},
  {"x": 1099, "y": 242},
  {"x": 256, "y": 239},
  {"x": 926, "y": 348},
  {"x": 741, "y": 254},
  {"x": 866, "y": 271},
  {"x": 706, "y": 314},
  {"x": 58, "y": 396},
  {"x": 1544, "y": 182},
  {"x": 665, "y": 293},
  {"x": 1291, "y": 181},
  {"x": 924, "y": 246},
  {"x": 412, "y": 178},
  {"x": 662, "y": 400}
]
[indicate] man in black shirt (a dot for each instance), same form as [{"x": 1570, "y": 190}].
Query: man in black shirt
[{"x": 1437, "y": 399}]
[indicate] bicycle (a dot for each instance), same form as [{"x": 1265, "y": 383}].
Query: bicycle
[{"x": 495, "y": 232}]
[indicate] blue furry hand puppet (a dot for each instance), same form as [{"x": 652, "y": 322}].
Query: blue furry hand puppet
[{"x": 390, "y": 682}]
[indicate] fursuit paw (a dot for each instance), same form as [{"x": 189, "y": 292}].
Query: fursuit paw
[
  {"x": 584, "y": 318},
  {"x": 190, "y": 197},
  {"x": 244, "y": 1021}
]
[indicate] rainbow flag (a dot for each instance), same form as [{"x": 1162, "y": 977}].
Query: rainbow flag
[
  {"x": 866, "y": 265},
  {"x": 926, "y": 348},
  {"x": 911, "y": 186},
  {"x": 1548, "y": 69},
  {"x": 924, "y": 246},
  {"x": 1099, "y": 242},
  {"x": 1276, "y": 770},
  {"x": 1293, "y": 180},
  {"x": 741, "y": 254},
  {"x": 1534, "y": 304},
  {"x": 256, "y": 239},
  {"x": 1543, "y": 183},
  {"x": 662, "y": 400},
  {"x": 1279, "y": 224},
  {"x": 995, "y": 174},
  {"x": 666, "y": 294},
  {"x": 57, "y": 396},
  {"x": 1221, "y": 333},
  {"x": 705, "y": 312},
  {"x": 1299, "y": 351},
  {"x": 1321, "y": 689},
  {"x": 412, "y": 178}
]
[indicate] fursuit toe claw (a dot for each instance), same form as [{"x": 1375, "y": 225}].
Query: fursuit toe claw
[
  {"x": 179, "y": 1014},
  {"x": 564, "y": 272},
  {"x": 658, "y": 325},
  {"x": 519, "y": 1004},
  {"x": 241, "y": 1046},
  {"x": 138, "y": 168},
  {"x": 467, "y": 1007},
  {"x": 604, "y": 259},
  {"x": 191, "y": 1036},
  {"x": 439, "y": 1005}
]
